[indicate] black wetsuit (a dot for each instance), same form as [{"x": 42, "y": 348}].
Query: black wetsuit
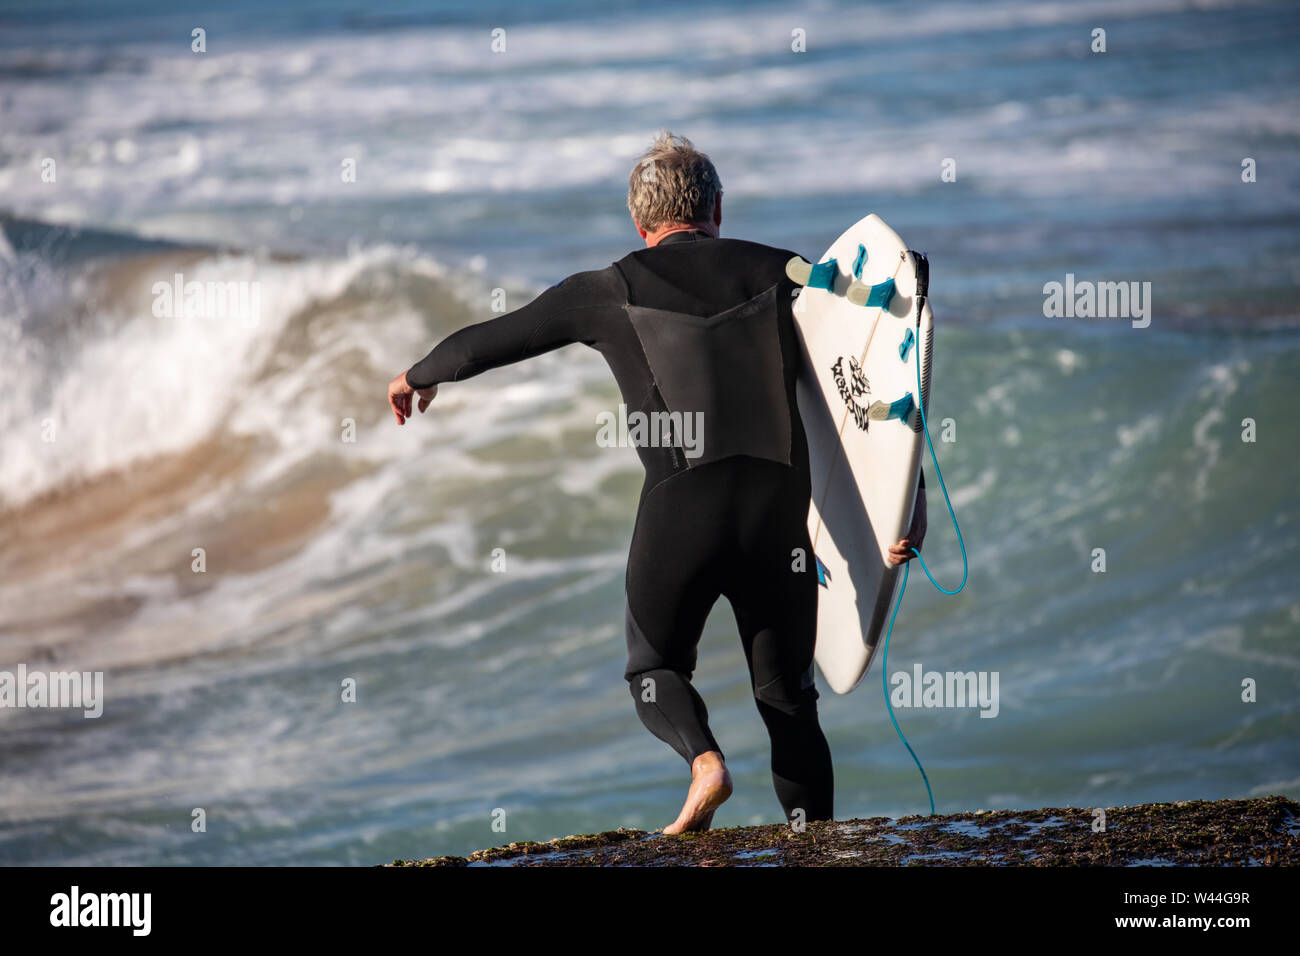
[{"x": 697, "y": 325}]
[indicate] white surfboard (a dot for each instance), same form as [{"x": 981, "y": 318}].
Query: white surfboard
[{"x": 859, "y": 366}]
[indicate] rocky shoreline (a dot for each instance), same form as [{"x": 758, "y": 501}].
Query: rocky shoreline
[{"x": 1256, "y": 832}]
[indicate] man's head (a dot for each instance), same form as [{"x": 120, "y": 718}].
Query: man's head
[{"x": 674, "y": 187}]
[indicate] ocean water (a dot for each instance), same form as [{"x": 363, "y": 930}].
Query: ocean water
[{"x": 127, "y": 441}]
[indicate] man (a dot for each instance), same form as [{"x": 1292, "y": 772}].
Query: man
[{"x": 695, "y": 328}]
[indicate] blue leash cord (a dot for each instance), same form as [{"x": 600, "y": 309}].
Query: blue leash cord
[{"x": 965, "y": 569}]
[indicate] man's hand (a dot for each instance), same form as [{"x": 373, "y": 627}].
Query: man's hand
[
  {"x": 901, "y": 552},
  {"x": 399, "y": 397}
]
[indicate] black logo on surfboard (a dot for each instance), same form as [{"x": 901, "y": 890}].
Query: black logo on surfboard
[{"x": 853, "y": 388}]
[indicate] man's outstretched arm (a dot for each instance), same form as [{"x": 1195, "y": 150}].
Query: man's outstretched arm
[{"x": 561, "y": 315}]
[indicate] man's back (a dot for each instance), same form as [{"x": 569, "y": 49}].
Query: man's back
[
  {"x": 694, "y": 273},
  {"x": 736, "y": 373}
]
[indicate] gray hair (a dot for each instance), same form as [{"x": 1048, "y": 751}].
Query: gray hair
[{"x": 672, "y": 182}]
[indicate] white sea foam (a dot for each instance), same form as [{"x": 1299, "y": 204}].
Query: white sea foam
[
  {"x": 1139, "y": 432},
  {"x": 133, "y": 385},
  {"x": 276, "y": 128}
]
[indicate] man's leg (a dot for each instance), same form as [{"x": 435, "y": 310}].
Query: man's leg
[
  {"x": 802, "y": 773},
  {"x": 666, "y": 702},
  {"x": 673, "y": 711},
  {"x": 670, "y": 591},
  {"x": 776, "y": 612}
]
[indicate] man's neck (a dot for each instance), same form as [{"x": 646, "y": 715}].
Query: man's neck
[{"x": 667, "y": 229}]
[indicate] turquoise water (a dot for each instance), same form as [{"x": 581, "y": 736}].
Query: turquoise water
[{"x": 481, "y": 690}]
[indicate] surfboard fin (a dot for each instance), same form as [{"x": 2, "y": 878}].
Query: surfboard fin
[
  {"x": 870, "y": 296},
  {"x": 820, "y": 276},
  {"x": 901, "y": 409},
  {"x": 823, "y": 576}
]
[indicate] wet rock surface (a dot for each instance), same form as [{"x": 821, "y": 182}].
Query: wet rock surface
[{"x": 1256, "y": 832}]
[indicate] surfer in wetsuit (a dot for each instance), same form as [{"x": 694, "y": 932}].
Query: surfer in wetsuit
[{"x": 698, "y": 332}]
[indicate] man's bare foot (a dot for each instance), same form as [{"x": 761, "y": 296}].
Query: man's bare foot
[{"x": 710, "y": 787}]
